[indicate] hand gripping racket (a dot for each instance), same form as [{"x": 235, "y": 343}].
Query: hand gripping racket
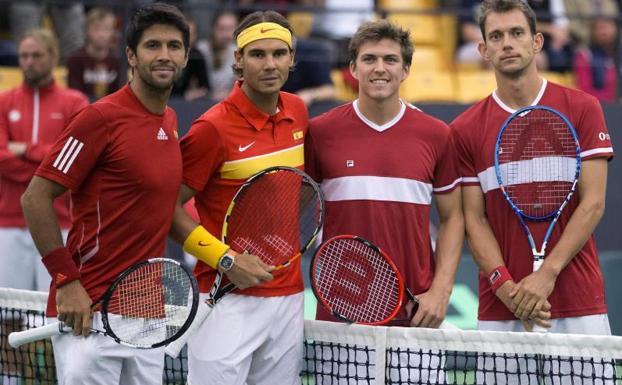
[
  {"x": 357, "y": 282},
  {"x": 149, "y": 305},
  {"x": 537, "y": 163},
  {"x": 276, "y": 215}
]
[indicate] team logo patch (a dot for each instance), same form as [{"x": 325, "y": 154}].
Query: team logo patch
[
  {"x": 349, "y": 163},
  {"x": 297, "y": 134},
  {"x": 14, "y": 116}
]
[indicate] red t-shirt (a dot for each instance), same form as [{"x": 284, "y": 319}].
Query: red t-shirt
[
  {"x": 378, "y": 182},
  {"x": 225, "y": 146},
  {"x": 579, "y": 289},
  {"x": 122, "y": 164},
  {"x": 36, "y": 116}
]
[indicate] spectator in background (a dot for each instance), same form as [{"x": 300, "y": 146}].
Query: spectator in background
[
  {"x": 581, "y": 12},
  {"x": 32, "y": 117},
  {"x": 595, "y": 67},
  {"x": 193, "y": 83},
  {"x": 467, "y": 54},
  {"x": 95, "y": 69},
  {"x": 68, "y": 19},
  {"x": 310, "y": 79},
  {"x": 219, "y": 51},
  {"x": 553, "y": 23}
]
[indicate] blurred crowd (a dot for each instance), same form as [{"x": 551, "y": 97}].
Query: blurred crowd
[{"x": 581, "y": 41}]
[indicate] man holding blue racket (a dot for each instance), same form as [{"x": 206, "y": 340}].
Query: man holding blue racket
[{"x": 566, "y": 293}]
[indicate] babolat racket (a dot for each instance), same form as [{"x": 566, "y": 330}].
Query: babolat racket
[
  {"x": 537, "y": 163},
  {"x": 358, "y": 282},
  {"x": 149, "y": 305},
  {"x": 276, "y": 215}
]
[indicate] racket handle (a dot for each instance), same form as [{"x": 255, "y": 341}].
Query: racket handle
[
  {"x": 17, "y": 339},
  {"x": 174, "y": 348}
]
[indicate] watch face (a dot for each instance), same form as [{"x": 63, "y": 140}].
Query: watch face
[{"x": 226, "y": 262}]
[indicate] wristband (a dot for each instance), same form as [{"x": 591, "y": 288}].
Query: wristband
[
  {"x": 205, "y": 246},
  {"x": 61, "y": 267},
  {"x": 498, "y": 277}
]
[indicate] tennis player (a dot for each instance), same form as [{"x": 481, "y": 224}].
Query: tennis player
[
  {"x": 380, "y": 162},
  {"x": 568, "y": 288},
  {"x": 254, "y": 334},
  {"x": 120, "y": 158}
]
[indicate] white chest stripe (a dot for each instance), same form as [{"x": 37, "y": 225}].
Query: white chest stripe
[
  {"x": 68, "y": 154},
  {"x": 377, "y": 188},
  {"x": 527, "y": 171}
]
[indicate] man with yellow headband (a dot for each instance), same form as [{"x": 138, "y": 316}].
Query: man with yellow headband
[{"x": 253, "y": 336}]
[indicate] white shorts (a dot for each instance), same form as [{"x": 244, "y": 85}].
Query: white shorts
[
  {"x": 98, "y": 360},
  {"x": 249, "y": 340},
  {"x": 21, "y": 263},
  {"x": 552, "y": 371}
]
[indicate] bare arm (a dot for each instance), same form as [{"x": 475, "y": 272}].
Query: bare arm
[
  {"x": 248, "y": 269},
  {"x": 72, "y": 302},
  {"x": 433, "y": 303},
  {"x": 485, "y": 248},
  {"x": 538, "y": 286}
]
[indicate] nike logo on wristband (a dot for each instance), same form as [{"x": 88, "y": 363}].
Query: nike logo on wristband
[{"x": 204, "y": 244}]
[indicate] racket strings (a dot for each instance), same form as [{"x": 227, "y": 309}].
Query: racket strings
[
  {"x": 274, "y": 217},
  {"x": 151, "y": 304},
  {"x": 538, "y": 160},
  {"x": 356, "y": 281}
]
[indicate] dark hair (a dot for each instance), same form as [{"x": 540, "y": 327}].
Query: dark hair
[
  {"x": 502, "y": 6},
  {"x": 254, "y": 19},
  {"x": 156, "y": 13},
  {"x": 378, "y": 30}
]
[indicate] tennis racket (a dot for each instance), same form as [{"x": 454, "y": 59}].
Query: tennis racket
[
  {"x": 276, "y": 215},
  {"x": 357, "y": 282},
  {"x": 149, "y": 305},
  {"x": 537, "y": 164}
]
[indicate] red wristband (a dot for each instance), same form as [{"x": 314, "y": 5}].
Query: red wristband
[
  {"x": 61, "y": 267},
  {"x": 498, "y": 277}
]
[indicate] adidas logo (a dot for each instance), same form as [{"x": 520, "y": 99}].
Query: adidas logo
[{"x": 162, "y": 135}]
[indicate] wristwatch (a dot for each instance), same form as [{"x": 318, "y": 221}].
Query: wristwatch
[{"x": 226, "y": 262}]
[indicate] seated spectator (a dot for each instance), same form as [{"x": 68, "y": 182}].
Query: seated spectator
[
  {"x": 595, "y": 67},
  {"x": 218, "y": 51},
  {"x": 310, "y": 78},
  {"x": 193, "y": 83},
  {"x": 95, "y": 69},
  {"x": 552, "y": 22},
  {"x": 581, "y": 12},
  {"x": 469, "y": 36}
]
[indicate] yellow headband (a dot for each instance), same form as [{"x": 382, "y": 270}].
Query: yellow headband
[{"x": 264, "y": 31}]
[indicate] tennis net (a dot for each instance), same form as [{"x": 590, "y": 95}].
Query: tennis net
[{"x": 354, "y": 354}]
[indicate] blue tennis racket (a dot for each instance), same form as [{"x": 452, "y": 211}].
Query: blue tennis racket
[{"x": 537, "y": 164}]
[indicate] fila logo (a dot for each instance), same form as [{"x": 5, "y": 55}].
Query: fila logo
[
  {"x": 244, "y": 148},
  {"x": 494, "y": 276},
  {"x": 349, "y": 163},
  {"x": 162, "y": 135},
  {"x": 68, "y": 154}
]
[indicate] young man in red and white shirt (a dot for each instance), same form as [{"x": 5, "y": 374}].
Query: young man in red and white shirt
[
  {"x": 32, "y": 117},
  {"x": 254, "y": 335},
  {"x": 567, "y": 293},
  {"x": 120, "y": 158},
  {"x": 380, "y": 162}
]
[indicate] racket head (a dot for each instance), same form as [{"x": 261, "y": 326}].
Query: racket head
[
  {"x": 537, "y": 161},
  {"x": 276, "y": 215},
  {"x": 150, "y": 304},
  {"x": 356, "y": 281}
]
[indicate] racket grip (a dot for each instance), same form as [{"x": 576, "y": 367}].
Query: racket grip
[
  {"x": 17, "y": 339},
  {"x": 174, "y": 348}
]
